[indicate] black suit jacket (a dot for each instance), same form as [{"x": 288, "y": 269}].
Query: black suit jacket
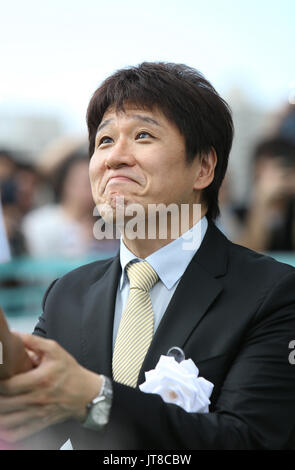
[{"x": 233, "y": 314}]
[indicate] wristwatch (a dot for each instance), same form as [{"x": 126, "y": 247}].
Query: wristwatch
[{"x": 99, "y": 408}]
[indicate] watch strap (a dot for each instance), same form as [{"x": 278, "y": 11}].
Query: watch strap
[{"x": 99, "y": 408}]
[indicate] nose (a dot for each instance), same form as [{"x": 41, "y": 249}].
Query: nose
[{"x": 119, "y": 155}]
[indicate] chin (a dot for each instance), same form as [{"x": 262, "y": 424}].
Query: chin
[{"x": 107, "y": 213}]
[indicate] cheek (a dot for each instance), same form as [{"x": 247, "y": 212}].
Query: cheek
[{"x": 95, "y": 171}]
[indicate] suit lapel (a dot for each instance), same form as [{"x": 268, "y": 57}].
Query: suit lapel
[
  {"x": 97, "y": 320},
  {"x": 197, "y": 290}
]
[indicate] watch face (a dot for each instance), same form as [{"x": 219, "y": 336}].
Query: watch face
[
  {"x": 100, "y": 406},
  {"x": 96, "y": 414}
]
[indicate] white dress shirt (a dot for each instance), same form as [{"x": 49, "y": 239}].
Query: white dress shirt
[{"x": 169, "y": 262}]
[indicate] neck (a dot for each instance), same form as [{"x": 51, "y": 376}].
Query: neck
[{"x": 143, "y": 247}]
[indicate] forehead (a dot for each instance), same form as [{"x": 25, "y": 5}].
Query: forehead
[{"x": 130, "y": 112}]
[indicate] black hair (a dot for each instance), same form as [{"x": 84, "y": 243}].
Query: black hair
[
  {"x": 276, "y": 147},
  {"x": 186, "y": 98}
]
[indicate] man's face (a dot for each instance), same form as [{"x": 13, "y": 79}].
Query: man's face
[{"x": 140, "y": 155}]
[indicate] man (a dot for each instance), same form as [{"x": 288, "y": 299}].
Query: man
[
  {"x": 269, "y": 223},
  {"x": 160, "y": 133}
]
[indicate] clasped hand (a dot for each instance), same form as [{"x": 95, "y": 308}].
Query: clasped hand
[{"x": 55, "y": 389}]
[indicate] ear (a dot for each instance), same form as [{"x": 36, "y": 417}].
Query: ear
[{"x": 206, "y": 169}]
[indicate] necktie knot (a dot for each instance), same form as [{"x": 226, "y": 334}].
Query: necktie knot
[{"x": 141, "y": 276}]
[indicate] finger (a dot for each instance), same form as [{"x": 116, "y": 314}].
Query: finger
[
  {"x": 43, "y": 346},
  {"x": 25, "y": 430},
  {"x": 22, "y": 383},
  {"x": 18, "y": 418},
  {"x": 35, "y": 358},
  {"x": 10, "y": 404},
  {"x": 20, "y": 425},
  {"x": 38, "y": 344}
]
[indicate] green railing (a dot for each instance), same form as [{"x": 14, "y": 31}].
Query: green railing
[{"x": 24, "y": 281}]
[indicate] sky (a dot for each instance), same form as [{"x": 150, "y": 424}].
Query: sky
[{"x": 55, "y": 53}]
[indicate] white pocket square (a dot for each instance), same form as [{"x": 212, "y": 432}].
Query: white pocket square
[{"x": 179, "y": 383}]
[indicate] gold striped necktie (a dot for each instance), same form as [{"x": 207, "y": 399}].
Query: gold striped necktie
[{"x": 136, "y": 326}]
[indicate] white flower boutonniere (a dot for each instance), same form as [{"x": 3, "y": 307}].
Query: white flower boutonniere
[{"x": 178, "y": 383}]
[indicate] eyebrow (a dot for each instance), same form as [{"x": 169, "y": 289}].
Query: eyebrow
[{"x": 134, "y": 116}]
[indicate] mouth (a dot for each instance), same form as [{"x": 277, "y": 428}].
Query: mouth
[{"x": 119, "y": 179}]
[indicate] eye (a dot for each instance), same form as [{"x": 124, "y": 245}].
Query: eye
[
  {"x": 104, "y": 140},
  {"x": 143, "y": 135}
]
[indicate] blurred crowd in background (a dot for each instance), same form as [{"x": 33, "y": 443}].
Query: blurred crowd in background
[
  {"x": 55, "y": 54},
  {"x": 49, "y": 215},
  {"x": 265, "y": 220},
  {"x": 48, "y": 206}
]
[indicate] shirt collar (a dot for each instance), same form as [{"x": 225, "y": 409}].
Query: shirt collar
[{"x": 171, "y": 260}]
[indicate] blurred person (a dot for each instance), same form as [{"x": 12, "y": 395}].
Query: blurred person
[
  {"x": 7, "y": 165},
  {"x": 65, "y": 228},
  {"x": 18, "y": 183},
  {"x": 286, "y": 126},
  {"x": 4, "y": 244},
  {"x": 270, "y": 217},
  {"x": 12, "y": 218},
  {"x": 26, "y": 177},
  {"x": 58, "y": 151},
  {"x": 160, "y": 133},
  {"x": 28, "y": 182}
]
